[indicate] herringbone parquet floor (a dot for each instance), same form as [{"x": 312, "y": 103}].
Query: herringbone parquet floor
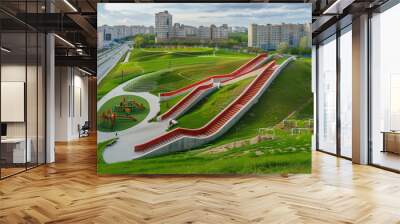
[{"x": 69, "y": 191}]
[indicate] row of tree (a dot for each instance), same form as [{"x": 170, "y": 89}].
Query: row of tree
[
  {"x": 304, "y": 47},
  {"x": 234, "y": 42}
]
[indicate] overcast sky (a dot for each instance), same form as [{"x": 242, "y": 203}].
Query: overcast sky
[{"x": 196, "y": 14}]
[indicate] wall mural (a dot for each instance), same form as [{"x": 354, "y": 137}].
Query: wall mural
[{"x": 204, "y": 88}]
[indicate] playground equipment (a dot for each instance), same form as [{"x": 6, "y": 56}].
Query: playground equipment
[
  {"x": 111, "y": 117},
  {"x": 127, "y": 106},
  {"x": 123, "y": 110}
]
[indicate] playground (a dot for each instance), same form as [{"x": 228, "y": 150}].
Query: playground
[
  {"x": 283, "y": 112},
  {"x": 121, "y": 112}
]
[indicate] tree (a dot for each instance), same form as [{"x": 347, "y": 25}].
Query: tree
[
  {"x": 139, "y": 40},
  {"x": 283, "y": 47},
  {"x": 304, "y": 46}
]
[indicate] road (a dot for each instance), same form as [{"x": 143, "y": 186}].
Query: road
[{"x": 107, "y": 60}]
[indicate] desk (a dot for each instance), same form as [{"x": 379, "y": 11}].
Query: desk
[
  {"x": 391, "y": 141},
  {"x": 13, "y": 150}
]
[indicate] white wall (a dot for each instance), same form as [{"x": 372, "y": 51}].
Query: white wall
[{"x": 71, "y": 94}]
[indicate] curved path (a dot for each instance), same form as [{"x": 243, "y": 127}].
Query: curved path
[
  {"x": 121, "y": 150},
  {"x": 142, "y": 132}
]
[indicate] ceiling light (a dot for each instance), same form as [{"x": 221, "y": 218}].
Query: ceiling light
[
  {"x": 338, "y": 6},
  {"x": 5, "y": 50},
  {"x": 70, "y": 5},
  {"x": 86, "y": 72},
  {"x": 64, "y": 40}
]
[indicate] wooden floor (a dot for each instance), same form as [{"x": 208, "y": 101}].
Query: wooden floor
[{"x": 69, "y": 191}]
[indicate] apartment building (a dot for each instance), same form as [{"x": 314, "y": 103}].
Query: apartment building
[
  {"x": 110, "y": 33},
  {"x": 204, "y": 33},
  {"x": 269, "y": 36},
  {"x": 165, "y": 31},
  {"x": 163, "y": 26}
]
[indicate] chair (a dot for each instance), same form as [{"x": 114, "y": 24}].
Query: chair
[{"x": 84, "y": 130}]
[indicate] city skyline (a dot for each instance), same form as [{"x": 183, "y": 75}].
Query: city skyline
[{"x": 233, "y": 14}]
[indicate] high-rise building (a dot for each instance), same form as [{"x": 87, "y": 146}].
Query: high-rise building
[
  {"x": 269, "y": 36},
  {"x": 219, "y": 33},
  {"x": 204, "y": 33},
  {"x": 163, "y": 26},
  {"x": 190, "y": 30}
]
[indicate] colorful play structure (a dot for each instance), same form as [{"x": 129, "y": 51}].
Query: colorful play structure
[{"x": 123, "y": 110}]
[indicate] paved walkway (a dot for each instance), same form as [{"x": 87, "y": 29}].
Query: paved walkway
[{"x": 122, "y": 150}]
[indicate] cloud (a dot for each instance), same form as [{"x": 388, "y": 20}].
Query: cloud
[{"x": 233, "y": 14}]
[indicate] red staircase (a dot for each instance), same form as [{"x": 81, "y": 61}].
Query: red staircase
[
  {"x": 219, "y": 121},
  {"x": 249, "y": 66},
  {"x": 186, "y": 101}
]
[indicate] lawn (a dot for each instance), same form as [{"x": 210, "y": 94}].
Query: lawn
[
  {"x": 284, "y": 154},
  {"x": 213, "y": 104},
  {"x": 124, "y": 119},
  {"x": 288, "y": 93},
  {"x": 170, "y": 68},
  {"x": 167, "y": 104},
  {"x": 176, "y": 76}
]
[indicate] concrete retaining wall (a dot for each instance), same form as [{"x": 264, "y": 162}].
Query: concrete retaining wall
[
  {"x": 165, "y": 98},
  {"x": 184, "y": 143},
  {"x": 198, "y": 99}
]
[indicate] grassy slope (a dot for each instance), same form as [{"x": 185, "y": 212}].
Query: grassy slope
[
  {"x": 285, "y": 154},
  {"x": 167, "y": 104},
  {"x": 122, "y": 124},
  {"x": 210, "y": 106},
  {"x": 175, "y": 76},
  {"x": 289, "y": 154},
  {"x": 144, "y": 61},
  {"x": 290, "y": 90}
]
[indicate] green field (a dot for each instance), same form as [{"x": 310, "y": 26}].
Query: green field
[
  {"x": 166, "y": 69},
  {"x": 289, "y": 96},
  {"x": 124, "y": 119},
  {"x": 285, "y": 154}
]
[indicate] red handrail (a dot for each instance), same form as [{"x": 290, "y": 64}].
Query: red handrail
[
  {"x": 193, "y": 132},
  {"x": 239, "y": 71},
  {"x": 184, "y": 100}
]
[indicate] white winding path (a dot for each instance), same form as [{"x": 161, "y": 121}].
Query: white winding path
[{"x": 122, "y": 150}]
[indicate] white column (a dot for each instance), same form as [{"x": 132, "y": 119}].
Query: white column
[
  {"x": 360, "y": 90},
  {"x": 314, "y": 91},
  {"x": 50, "y": 100}
]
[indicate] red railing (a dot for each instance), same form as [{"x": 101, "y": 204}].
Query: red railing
[
  {"x": 240, "y": 71},
  {"x": 223, "y": 116},
  {"x": 184, "y": 100}
]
